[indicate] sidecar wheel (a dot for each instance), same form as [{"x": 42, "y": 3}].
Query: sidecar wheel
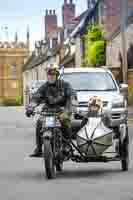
[
  {"x": 125, "y": 160},
  {"x": 125, "y": 153},
  {"x": 48, "y": 160}
]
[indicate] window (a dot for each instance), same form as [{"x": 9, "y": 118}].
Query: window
[
  {"x": 13, "y": 69},
  {"x": 90, "y": 81}
]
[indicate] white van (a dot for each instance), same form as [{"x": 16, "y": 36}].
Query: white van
[{"x": 98, "y": 82}]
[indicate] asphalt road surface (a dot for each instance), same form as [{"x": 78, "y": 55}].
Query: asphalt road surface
[{"x": 23, "y": 178}]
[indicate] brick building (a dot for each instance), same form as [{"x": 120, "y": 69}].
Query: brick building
[
  {"x": 111, "y": 19},
  {"x": 50, "y": 24},
  {"x": 91, "y": 3},
  {"x": 68, "y": 14},
  {"x": 12, "y": 58},
  {"x": 110, "y": 16}
]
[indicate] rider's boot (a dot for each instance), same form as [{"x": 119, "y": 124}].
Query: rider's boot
[
  {"x": 38, "y": 149},
  {"x": 37, "y": 152}
]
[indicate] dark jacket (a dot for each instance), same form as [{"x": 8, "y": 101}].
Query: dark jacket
[{"x": 55, "y": 95}]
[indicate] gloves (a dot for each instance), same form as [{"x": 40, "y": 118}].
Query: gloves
[{"x": 29, "y": 111}]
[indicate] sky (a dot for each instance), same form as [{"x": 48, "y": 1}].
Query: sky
[{"x": 16, "y": 15}]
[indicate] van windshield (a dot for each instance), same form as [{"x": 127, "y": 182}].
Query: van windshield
[{"x": 90, "y": 81}]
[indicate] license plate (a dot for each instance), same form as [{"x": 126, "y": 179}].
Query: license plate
[{"x": 50, "y": 122}]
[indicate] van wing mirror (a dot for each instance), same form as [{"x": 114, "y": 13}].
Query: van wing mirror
[{"x": 124, "y": 89}]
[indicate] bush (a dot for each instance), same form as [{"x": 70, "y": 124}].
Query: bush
[
  {"x": 130, "y": 95},
  {"x": 94, "y": 33},
  {"x": 97, "y": 54},
  {"x": 95, "y": 47},
  {"x": 16, "y": 101}
]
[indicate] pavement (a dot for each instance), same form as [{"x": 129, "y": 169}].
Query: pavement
[
  {"x": 130, "y": 111},
  {"x": 23, "y": 178}
]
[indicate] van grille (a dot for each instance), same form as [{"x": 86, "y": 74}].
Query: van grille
[
  {"x": 116, "y": 116},
  {"x": 85, "y": 104}
]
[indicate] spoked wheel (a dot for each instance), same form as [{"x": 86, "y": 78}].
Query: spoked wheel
[
  {"x": 49, "y": 160},
  {"x": 125, "y": 153},
  {"x": 58, "y": 151}
]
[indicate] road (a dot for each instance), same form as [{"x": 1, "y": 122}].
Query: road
[{"x": 23, "y": 178}]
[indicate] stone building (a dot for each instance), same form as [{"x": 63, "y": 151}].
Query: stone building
[{"x": 12, "y": 58}]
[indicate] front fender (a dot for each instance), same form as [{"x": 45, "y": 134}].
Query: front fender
[{"x": 47, "y": 134}]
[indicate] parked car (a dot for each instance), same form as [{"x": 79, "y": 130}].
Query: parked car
[{"x": 98, "y": 82}]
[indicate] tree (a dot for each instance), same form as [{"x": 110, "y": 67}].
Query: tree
[
  {"x": 95, "y": 47},
  {"x": 95, "y": 33},
  {"x": 97, "y": 54}
]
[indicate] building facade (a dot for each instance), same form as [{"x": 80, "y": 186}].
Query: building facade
[{"x": 12, "y": 58}]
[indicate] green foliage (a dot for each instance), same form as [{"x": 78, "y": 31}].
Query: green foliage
[
  {"x": 14, "y": 101},
  {"x": 95, "y": 33},
  {"x": 95, "y": 47},
  {"x": 96, "y": 55}
]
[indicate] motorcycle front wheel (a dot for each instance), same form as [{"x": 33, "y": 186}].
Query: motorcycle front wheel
[{"x": 48, "y": 160}]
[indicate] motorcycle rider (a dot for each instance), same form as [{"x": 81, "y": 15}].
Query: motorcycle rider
[{"x": 56, "y": 93}]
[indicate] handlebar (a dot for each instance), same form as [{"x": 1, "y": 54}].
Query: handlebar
[{"x": 48, "y": 111}]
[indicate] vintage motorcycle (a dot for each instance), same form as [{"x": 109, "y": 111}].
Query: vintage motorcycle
[{"x": 94, "y": 142}]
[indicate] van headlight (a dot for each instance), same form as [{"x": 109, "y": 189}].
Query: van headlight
[{"x": 118, "y": 102}]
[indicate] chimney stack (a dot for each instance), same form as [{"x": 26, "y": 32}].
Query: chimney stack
[
  {"x": 50, "y": 12},
  {"x": 68, "y": 12},
  {"x": 71, "y": 2},
  {"x": 46, "y": 12},
  {"x": 50, "y": 24},
  {"x": 65, "y": 2}
]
